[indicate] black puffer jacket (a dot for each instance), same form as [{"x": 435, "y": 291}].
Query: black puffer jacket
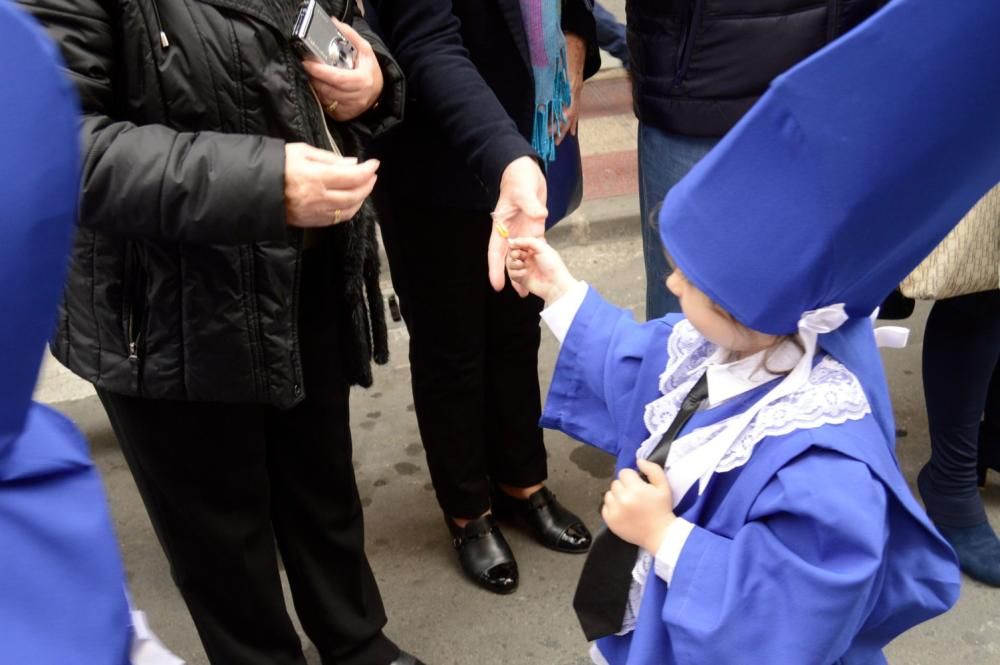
[
  {"x": 184, "y": 276},
  {"x": 699, "y": 65}
]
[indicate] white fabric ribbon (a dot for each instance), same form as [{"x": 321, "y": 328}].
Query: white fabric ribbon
[
  {"x": 823, "y": 320},
  {"x": 699, "y": 465},
  {"x": 146, "y": 647},
  {"x": 890, "y": 337}
]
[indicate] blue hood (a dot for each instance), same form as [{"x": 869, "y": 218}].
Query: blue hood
[
  {"x": 39, "y": 179},
  {"x": 846, "y": 174}
]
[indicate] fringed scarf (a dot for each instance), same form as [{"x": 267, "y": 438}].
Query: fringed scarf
[{"x": 547, "y": 44}]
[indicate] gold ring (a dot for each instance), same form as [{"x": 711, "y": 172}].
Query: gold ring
[
  {"x": 502, "y": 230},
  {"x": 331, "y": 107},
  {"x": 336, "y": 216}
]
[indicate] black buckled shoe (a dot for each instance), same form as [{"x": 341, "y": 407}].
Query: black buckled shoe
[
  {"x": 484, "y": 554},
  {"x": 548, "y": 520}
]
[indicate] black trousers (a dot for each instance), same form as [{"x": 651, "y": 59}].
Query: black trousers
[
  {"x": 961, "y": 386},
  {"x": 473, "y": 356},
  {"x": 224, "y": 483}
]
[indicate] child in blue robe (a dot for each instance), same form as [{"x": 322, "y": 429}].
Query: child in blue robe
[
  {"x": 62, "y": 587},
  {"x": 780, "y": 529}
]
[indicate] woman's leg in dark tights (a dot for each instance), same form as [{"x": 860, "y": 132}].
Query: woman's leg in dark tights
[{"x": 961, "y": 347}]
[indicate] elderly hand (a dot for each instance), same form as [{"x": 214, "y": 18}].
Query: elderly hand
[
  {"x": 520, "y": 211},
  {"x": 576, "y": 54},
  {"x": 639, "y": 512},
  {"x": 322, "y": 188},
  {"x": 347, "y": 93}
]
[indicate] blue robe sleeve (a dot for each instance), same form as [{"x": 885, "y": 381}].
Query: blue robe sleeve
[
  {"x": 796, "y": 582},
  {"x": 593, "y": 387}
]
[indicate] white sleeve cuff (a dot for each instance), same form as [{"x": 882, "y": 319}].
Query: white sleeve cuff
[
  {"x": 670, "y": 549},
  {"x": 559, "y": 315}
]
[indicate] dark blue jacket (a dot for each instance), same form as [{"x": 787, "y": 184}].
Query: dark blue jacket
[
  {"x": 699, "y": 65},
  {"x": 470, "y": 94}
]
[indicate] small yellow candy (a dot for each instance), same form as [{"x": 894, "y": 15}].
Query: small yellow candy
[{"x": 502, "y": 230}]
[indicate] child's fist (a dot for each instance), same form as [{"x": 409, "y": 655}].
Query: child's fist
[
  {"x": 535, "y": 266},
  {"x": 637, "y": 511}
]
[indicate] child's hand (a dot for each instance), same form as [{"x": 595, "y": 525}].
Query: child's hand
[
  {"x": 535, "y": 266},
  {"x": 639, "y": 512}
]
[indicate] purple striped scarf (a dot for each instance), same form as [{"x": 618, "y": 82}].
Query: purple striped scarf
[{"x": 543, "y": 28}]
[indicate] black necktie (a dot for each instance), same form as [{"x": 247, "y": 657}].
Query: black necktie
[{"x": 602, "y": 592}]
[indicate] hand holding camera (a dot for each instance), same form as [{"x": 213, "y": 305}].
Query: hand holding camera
[{"x": 341, "y": 64}]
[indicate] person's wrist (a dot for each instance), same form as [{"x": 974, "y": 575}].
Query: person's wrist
[
  {"x": 558, "y": 289},
  {"x": 376, "y": 95},
  {"x": 654, "y": 540}
]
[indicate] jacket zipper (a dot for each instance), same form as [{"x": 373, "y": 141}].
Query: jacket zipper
[
  {"x": 133, "y": 338},
  {"x": 134, "y": 290},
  {"x": 164, "y": 42},
  {"x": 692, "y": 9},
  {"x": 134, "y": 293}
]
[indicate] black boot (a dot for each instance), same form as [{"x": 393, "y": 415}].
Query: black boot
[
  {"x": 484, "y": 554},
  {"x": 548, "y": 520},
  {"x": 978, "y": 550}
]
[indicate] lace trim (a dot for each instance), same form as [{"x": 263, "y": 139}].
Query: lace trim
[{"x": 832, "y": 396}]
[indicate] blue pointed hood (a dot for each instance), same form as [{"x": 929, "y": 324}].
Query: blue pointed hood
[
  {"x": 39, "y": 179},
  {"x": 845, "y": 175}
]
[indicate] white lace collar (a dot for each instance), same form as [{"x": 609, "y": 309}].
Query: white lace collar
[{"x": 831, "y": 394}]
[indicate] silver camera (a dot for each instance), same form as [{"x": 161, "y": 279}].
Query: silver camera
[{"x": 317, "y": 38}]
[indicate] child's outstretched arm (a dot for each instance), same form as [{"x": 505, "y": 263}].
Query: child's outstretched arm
[
  {"x": 537, "y": 267},
  {"x": 607, "y": 362}
]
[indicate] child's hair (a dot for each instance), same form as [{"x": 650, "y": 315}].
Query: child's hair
[{"x": 769, "y": 353}]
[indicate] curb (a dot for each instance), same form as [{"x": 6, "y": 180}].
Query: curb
[{"x": 598, "y": 219}]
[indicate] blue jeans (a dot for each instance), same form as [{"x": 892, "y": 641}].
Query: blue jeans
[
  {"x": 610, "y": 34},
  {"x": 663, "y": 160}
]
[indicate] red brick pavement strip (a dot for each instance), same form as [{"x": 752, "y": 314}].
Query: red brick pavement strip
[
  {"x": 610, "y": 174},
  {"x": 616, "y": 173}
]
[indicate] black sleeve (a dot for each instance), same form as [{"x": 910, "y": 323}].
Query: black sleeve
[
  {"x": 388, "y": 112},
  {"x": 151, "y": 181},
  {"x": 425, "y": 39},
  {"x": 578, "y": 19}
]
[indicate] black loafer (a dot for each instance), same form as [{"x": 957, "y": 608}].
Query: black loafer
[
  {"x": 484, "y": 554},
  {"x": 548, "y": 520},
  {"x": 406, "y": 659}
]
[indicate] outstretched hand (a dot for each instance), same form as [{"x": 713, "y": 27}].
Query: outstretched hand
[
  {"x": 537, "y": 268},
  {"x": 637, "y": 511},
  {"x": 520, "y": 212}
]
